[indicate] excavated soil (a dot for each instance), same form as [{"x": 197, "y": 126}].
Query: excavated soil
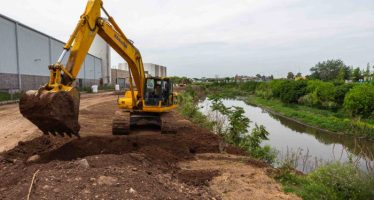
[
  {"x": 192, "y": 164},
  {"x": 55, "y": 113}
]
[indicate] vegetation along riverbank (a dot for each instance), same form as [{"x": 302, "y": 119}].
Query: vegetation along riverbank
[
  {"x": 343, "y": 108},
  {"x": 327, "y": 182}
]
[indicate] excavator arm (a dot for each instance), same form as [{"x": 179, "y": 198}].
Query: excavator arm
[
  {"x": 91, "y": 24},
  {"x": 54, "y": 108}
]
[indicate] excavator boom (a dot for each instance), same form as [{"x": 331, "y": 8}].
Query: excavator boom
[{"x": 54, "y": 108}]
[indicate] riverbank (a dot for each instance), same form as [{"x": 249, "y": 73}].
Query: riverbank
[
  {"x": 325, "y": 120},
  {"x": 335, "y": 122},
  {"x": 326, "y": 182}
]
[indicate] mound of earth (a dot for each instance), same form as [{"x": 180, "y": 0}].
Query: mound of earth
[{"x": 192, "y": 164}]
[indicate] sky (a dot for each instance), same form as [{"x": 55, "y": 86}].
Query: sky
[{"x": 210, "y": 38}]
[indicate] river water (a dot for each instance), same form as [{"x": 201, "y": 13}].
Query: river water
[{"x": 306, "y": 147}]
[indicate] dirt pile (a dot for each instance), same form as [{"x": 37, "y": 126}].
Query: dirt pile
[
  {"x": 54, "y": 113},
  {"x": 142, "y": 165}
]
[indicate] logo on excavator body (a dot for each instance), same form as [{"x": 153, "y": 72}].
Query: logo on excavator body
[{"x": 120, "y": 41}]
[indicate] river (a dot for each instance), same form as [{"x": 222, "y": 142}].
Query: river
[{"x": 306, "y": 147}]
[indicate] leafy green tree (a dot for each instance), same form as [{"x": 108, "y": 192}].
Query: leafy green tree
[
  {"x": 329, "y": 70},
  {"x": 290, "y": 76},
  {"x": 319, "y": 94},
  {"x": 341, "y": 91},
  {"x": 291, "y": 91},
  {"x": 359, "y": 101},
  {"x": 357, "y": 75}
]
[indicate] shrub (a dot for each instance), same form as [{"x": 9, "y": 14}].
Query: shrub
[
  {"x": 249, "y": 86},
  {"x": 320, "y": 94},
  {"x": 332, "y": 181},
  {"x": 341, "y": 91},
  {"x": 359, "y": 101},
  {"x": 264, "y": 90},
  {"x": 188, "y": 108},
  {"x": 291, "y": 91},
  {"x": 345, "y": 180},
  {"x": 4, "y": 96},
  {"x": 276, "y": 87}
]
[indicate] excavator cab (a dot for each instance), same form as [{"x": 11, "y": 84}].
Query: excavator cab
[{"x": 158, "y": 92}]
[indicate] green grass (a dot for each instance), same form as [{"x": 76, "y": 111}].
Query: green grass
[
  {"x": 4, "y": 96},
  {"x": 323, "y": 119},
  {"x": 334, "y": 181}
]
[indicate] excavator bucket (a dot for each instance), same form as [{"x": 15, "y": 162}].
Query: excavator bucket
[{"x": 52, "y": 112}]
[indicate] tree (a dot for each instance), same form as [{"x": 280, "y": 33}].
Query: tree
[
  {"x": 291, "y": 91},
  {"x": 299, "y": 75},
  {"x": 357, "y": 75},
  {"x": 329, "y": 70},
  {"x": 359, "y": 101},
  {"x": 367, "y": 72},
  {"x": 290, "y": 75}
]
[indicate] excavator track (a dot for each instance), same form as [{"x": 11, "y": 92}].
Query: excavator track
[
  {"x": 121, "y": 123},
  {"x": 168, "y": 125}
]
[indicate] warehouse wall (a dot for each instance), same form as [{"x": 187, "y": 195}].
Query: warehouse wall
[
  {"x": 8, "y": 52},
  {"x": 25, "y": 54}
]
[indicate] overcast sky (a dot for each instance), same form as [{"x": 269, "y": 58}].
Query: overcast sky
[{"x": 199, "y": 38}]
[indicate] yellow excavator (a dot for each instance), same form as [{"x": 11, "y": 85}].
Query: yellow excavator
[{"x": 54, "y": 108}]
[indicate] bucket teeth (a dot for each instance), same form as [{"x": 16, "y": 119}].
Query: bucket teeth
[{"x": 54, "y": 113}]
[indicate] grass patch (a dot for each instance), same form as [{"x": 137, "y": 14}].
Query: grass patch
[
  {"x": 334, "y": 181},
  {"x": 4, "y": 96}
]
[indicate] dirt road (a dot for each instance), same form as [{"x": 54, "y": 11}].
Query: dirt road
[
  {"x": 15, "y": 128},
  {"x": 191, "y": 164}
]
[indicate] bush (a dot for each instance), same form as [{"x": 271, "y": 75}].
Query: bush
[
  {"x": 4, "y": 96},
  {"x": 188, "y": 108},
  {"x": 320, "y": 94},
  {"x": 249, "y": 87},
  {"x": 332, "y": 181},
  {"x": 107, "y": 87},
  {"x": 341, "y": 91},
  {"x": 345, "y": 180},
  {"x": 276, "y": 87},
  {"x": 291, "y": 91},
  {"x": 359, "y": 101},
  {"x": 264, "y": 90}
]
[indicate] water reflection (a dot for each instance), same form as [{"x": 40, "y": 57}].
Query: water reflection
[{"x": 310, "y": 144}]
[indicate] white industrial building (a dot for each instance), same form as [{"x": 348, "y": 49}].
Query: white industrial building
[
  {"x": 26, "y": 53},
  {"x": 151, "y": 69}
]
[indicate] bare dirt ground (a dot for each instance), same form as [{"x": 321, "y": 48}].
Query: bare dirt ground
[{"x": 191, "y": 164}]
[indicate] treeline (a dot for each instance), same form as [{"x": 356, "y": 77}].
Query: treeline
[
  {"x": 357, "y": 100},
  {"x": 337, "y": 70}
]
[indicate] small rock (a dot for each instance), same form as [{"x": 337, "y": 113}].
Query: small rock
[
  {"x": 92, "y": 179},
  {"x": 134, "y": 169},
  {"x": 56, "y": 190},
  {"x": 132, "y": 191},
  {"x": 46, "y": 187},
  {"x": 106, "y": 180},
  {"x": 86, "y": 191},
  {"x": 33, "y": 158},
  {"x": 83, "y": 163}
]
